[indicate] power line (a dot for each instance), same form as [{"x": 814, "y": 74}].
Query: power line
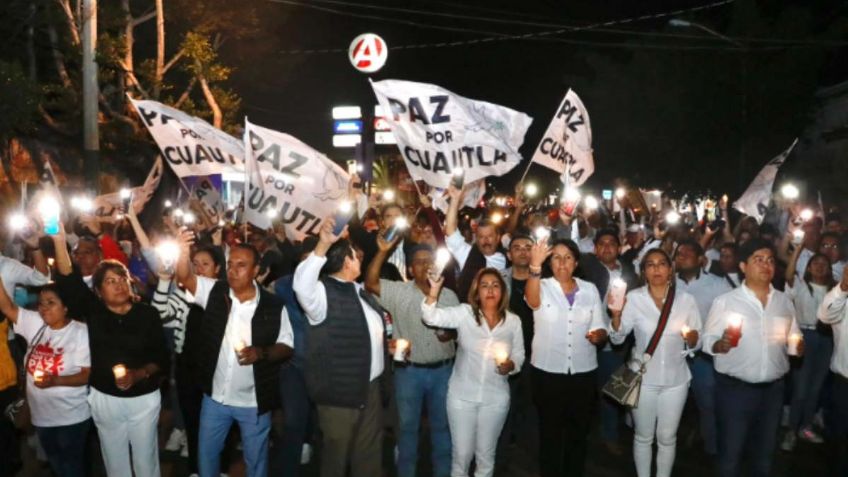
[{"x": 547, "y": 35}]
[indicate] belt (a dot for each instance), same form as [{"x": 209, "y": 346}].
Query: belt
[{"x": 433, "y": 365}]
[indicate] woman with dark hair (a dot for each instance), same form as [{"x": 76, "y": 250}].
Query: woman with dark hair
[
  {"x": 665, "y": 383},
  {"x": 491, "y": 346},
  {"x": 175, "y": 305},
  {"x": 569, "y": 325},
  {"x": 128, "y": 355},
  {"x": 807, "y": 293},
  {"x": 57, "y": 368}
]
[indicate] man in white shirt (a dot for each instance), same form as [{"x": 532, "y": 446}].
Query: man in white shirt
[
  {"x": 833, "y": 312},
  {"x": 750, "y": 369},
  {"x": 246, "y": 334},
  {"x": 471, "y": 258},
  {"x": 345, "y": 357},
  {"x": 689, "y": 262}
]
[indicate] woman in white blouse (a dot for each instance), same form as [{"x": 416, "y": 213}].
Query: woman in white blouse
[
  {"x": 568, "y": 325},
  {"x": 807, "y": 293},
  {"x": 491, "y": 347},
  {"x": 666, "y": 379}
]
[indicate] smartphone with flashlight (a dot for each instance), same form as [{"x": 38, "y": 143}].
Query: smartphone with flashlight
[
  {"x": 343, "y": 216},
  {"x": 458, "y": 178},
  {"x": 607, "y": 194}
]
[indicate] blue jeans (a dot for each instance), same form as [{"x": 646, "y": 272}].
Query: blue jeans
[
  {"x": 608, "y": 362},
  {"x": 748, "y": 418},
  {"x": 808, "y": 379},
  {"x": 65, "y": 447},
  {"x": 703, "y": 389},
  {"x": 215, "y": 422},
  {"x": 296, "y": 414},
  {"x": 415, "y": 387}
]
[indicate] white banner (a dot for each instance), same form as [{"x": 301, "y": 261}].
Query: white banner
[
  {"x": 287, "y": 176},
  {"x": 110, "y": 204},
  {"x": 755, "y": 200},
  {"x": 567, "y": 143},
  {"x": 209, "y": 200},
  {"x": 473, "y": 193},
  {"x": 190, "y": 145},
  {"x": 437, "y": 130}
]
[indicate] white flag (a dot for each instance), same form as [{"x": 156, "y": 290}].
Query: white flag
[
  {"x": 109, "y": 204},
  {"x": 474, "y": 192},
  {"x": 567, "y": 143},
  {"x": 209, "y": 199},
  {"x": 437, "y": 131},
  {"x": 285, "y": 175},
  {"x": 190, "y": 145},
  {"x": 755, "y": 200}
]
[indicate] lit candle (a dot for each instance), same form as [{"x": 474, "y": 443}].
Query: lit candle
[
  {"x": 685, "y": 331},
  {"x": 618, "y": 288},
  {"x": 119, "y": 370},
  {"x": 400, "y": 349},
  {"x": 734, "y": 329},
  {"x": 797, "y": 237},
  {"x": 239, "y": 346},
  {"x": 501, "y": 356},
  {"x": 793, "y": 341},
  {"x": 38, "y": 375}
]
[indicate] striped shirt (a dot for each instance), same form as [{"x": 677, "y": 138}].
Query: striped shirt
[{"x": 173, "y": 305}]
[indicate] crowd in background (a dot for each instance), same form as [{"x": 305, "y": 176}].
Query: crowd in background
[{"x": 495, "y": 324}]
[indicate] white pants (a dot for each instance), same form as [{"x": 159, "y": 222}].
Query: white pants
[
  {"x": 658, "y": 413},
  {"x": 475, "y": 428},
  {"x": 124, "y": 422}
]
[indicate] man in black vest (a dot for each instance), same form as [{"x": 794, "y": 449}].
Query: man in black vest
[
  {"x": 246, "y": 334},
  {"x": 471, "y": 258},
  {"x": 345, "y": 357}
]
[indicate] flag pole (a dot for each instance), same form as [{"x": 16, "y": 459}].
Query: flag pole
[{"x": 526, "y": 170}]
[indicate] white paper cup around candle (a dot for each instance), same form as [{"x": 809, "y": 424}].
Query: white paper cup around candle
[
  {"x": 792, "y": 346},
  {"x": 618, "y": 288},
  {"x": 119, "y": 370},
  {"x": 685, "y": 332},
  {"x": 37, "y": 375},
  {"x": 400, "y": 349},
  {"x": 501, "y": 356}
]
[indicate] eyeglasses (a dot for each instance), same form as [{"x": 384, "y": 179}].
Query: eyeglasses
[
  {"x": 760, "y": 260},
  {"x": 828, "y": 246}
]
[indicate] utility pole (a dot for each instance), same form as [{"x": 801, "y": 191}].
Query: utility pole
[{"x": 90, "y": 94}]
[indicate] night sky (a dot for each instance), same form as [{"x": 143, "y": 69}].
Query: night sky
[{"x": 665, "y": 102}]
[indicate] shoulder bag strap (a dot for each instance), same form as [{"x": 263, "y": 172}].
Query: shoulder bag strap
[{"x": 664, "y": 314}]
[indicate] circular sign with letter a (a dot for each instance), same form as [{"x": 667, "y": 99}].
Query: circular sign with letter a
[{"x": 368, "y": 53}]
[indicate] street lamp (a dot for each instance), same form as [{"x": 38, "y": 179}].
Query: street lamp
[{"x": 680, "y": 23}]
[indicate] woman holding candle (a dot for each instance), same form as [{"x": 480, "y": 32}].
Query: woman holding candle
[
  {"x": 665, "y": 383},
  {"x": 57, "y": 368},
  {"x": 807, "y": 293},
  {"x": 490, "y": 347},
  {"x": 125, "y": 402},
  {"x": 568, "y": 327}
]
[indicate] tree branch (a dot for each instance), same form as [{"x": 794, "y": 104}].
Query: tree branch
[
  {"x": 184, "y": 97},
  {"x": 146, "y": 17},
  {"x": 173, "y": 61},
  {"x": 71, "y": 21},
  {"x": 217, "y": 116},
  {"x": 133, "y": 79}
]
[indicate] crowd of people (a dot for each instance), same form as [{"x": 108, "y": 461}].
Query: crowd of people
[{"x": 486, "y": 326}]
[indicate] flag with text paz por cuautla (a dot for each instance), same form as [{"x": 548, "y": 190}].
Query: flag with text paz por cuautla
[
  {"x": 285, "y": 175},
  {"x": 755, "y": 200},
  {"x": 437, "y": 131},
  {"x": 567, "y": 143},
  {"x": 190, "y": 145}
]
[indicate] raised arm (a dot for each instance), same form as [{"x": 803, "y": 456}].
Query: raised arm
[
  {"x": 184, "y": 273},
  {"x": 452, "y": 216},
  {"x": 533, "y": 290},
  {"x": 791, "y": 265},
  {"x": 372, "y": 275},
  {"x": 64, "y": 266},
  {"x": 832, "y": 308},
  {"x": 140, "y": 234},
  {"x": 449, "y": 317},
  {"x": 515, "y": 217},
  {"x": 7, "y": 306},
  {"x": 309, "y": 290}
]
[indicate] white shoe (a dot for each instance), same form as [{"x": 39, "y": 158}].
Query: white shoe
[
  {"x": 176, "y": 440},
  {"x": 809, "y": 435},
  {"x": 305, "y": 454},
  {"x": 788, "y": 443}
]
